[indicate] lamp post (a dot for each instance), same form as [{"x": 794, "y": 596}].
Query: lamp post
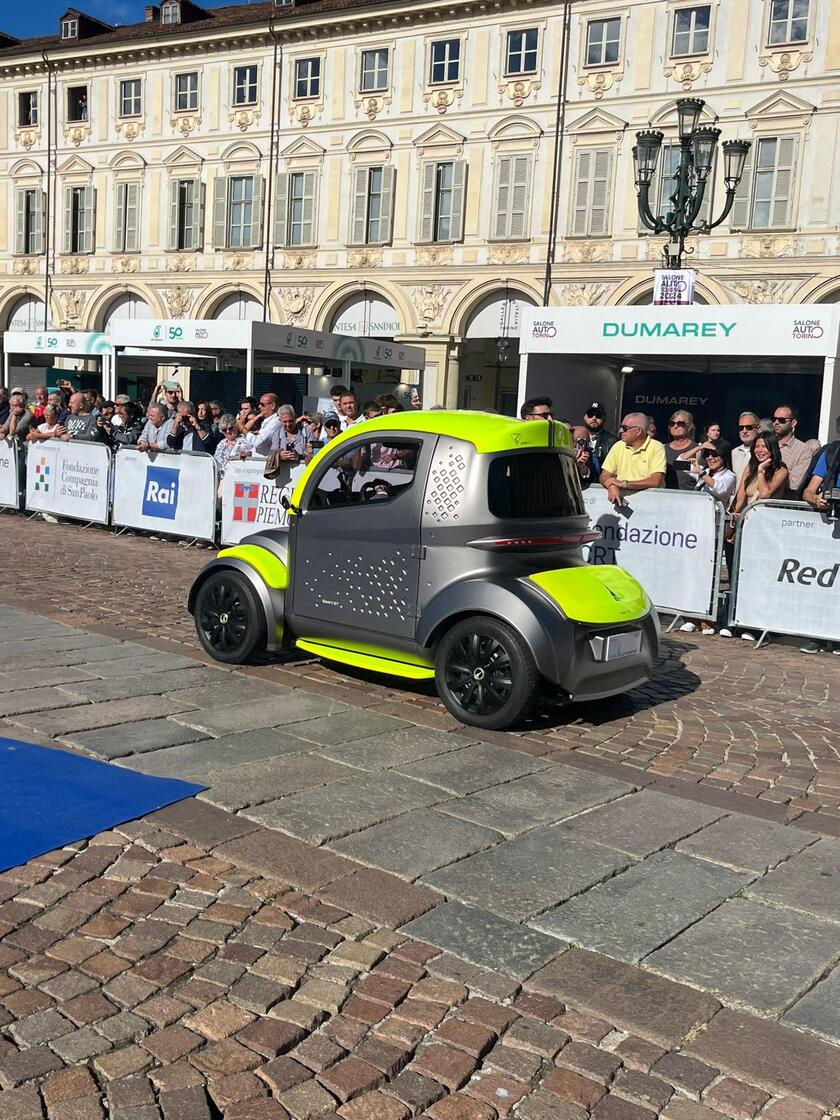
[{"x": 697, "y": 150}]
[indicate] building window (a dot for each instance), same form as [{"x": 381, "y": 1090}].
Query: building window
[
  {"x": 184, "y": 215},
  {"x": 79, "y": 221},
  {"x": 772, "y": 197},
  {"x": 29, "y": 221},
  {"x": 127, "y": 218},
  {"x": 69, "y": 29},
  {"x": 374, "y": 75},
  {"x": 590, "y": 206},
  {"x": 245, "y": 85},
  {"x": 513, "y": 180},
  {"x": 789, "y": 21},
  {"x": 691, "y": 30},
  {"x": 296, "y": 208},
  {"x": 28, "y": 109},
  {"x": 186, "y": 92},
  {"x": 131, "y": 101},
  {"x": 373, "y": 193},
  {"x": 603, "y": 39},
  {"x": 521, "y": 54},
  {"x": 237, "y": 212},
  {"x": 445, "y": 61},
  {"x": 442, "y": 211},
  {"x": 307, "y": 78},
  {"x": 77, "y": 104},
  {"x": 170, "y": 12}
]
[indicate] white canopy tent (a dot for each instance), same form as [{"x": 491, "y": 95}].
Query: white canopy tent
[{"x": 38, "y": 348}]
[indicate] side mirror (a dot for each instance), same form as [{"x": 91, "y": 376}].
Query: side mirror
[{"x": 284, "y": 502}]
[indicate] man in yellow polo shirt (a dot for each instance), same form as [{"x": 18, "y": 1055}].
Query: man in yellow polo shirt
[{"x": 636, "y": 462}]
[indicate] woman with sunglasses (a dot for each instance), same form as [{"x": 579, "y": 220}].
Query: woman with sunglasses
[
  {"x": 680, "y": 451},
  {"x": 716, "y": 475}
]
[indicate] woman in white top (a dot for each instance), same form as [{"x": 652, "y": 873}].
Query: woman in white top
[
  {"x": 718, "y": 478},
  {"x": 49, "y": 428}
]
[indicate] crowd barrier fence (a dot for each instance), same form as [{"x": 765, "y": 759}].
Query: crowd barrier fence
[
  {"x": 787, "y": 571},
  {"x": 172, "y": 493},
  {"x": 9, "y": 478},
  {"x": 68, "y": 479},
  {"x": 250, "y": 501}
]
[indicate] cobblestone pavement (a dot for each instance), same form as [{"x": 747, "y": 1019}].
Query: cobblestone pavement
[{"x": 718, "y": 714}]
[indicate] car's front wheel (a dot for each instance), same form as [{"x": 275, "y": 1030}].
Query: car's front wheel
[
  {"x": 229, "y": 619},
  {"x": 485, "y": 673}
]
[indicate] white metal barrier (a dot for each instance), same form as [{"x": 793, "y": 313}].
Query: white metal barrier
[
  {"x": 670, "y": 540},
  {"x": 787, "y": 571},
  {"x": 169, "y": 493},
  {"x": 8, "y": 473},
  {"x": 250, "y": 501},
  {"x": 68, "y": 479}
]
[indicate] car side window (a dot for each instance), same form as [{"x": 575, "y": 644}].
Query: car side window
[{"x": 374, "y": 472}]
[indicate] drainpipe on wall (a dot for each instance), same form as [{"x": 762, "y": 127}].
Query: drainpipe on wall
[{"x": 268, "y": 240}]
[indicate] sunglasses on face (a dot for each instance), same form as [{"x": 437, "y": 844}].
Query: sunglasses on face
[
  {"x": 630, "y": 428},
  {"x": 782, "y": 419},
  {"x": 676, "y": 423},
  {"x": 747, "y": 427}
]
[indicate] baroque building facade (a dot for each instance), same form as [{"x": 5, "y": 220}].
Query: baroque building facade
[{"x": 387, "y": 168}]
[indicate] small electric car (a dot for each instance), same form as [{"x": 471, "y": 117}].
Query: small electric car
[{"x": 438, "y": 545}]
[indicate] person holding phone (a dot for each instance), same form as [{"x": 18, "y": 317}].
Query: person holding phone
[{"x": 186, "y": 434}]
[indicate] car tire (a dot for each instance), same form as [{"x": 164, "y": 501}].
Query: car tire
[
  {"x": 229, "y": 618},
  {"x": 507, "y": 686}
]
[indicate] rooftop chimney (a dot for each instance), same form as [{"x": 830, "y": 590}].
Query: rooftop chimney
[{"x": 152, "y": 13}]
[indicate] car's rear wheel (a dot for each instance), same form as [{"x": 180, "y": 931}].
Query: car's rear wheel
[
  {"x": 485, "y": 673},
  {"x": 229, "y": 619}
]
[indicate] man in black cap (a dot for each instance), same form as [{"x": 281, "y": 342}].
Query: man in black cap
[{"x": 600, "y": 440}]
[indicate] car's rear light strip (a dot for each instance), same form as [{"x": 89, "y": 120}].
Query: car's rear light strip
[{"x": 536, "y": 542}]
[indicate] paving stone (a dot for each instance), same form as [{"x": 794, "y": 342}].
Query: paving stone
[
  {"x": 36, "y": 700},
  {"x": 228, "y": 1056},
  {"x": 307, "y": 1100},
  {"x": 226, "y": 688},
  {"x": 282, "y": 1073},
  {"x": 503, "y": 1093},
  {"x": 522, "y": 877},
  {"x": 809, "y": 881},
  {"x": 678, "y": 1108},
  {"x": 746, "y": 843},
  {"x": 201, "y": 824},
  {"x": 382, "y": 897},
  {"x": 271, "y": 1037},
  {"x": 123, "y": 1027},
  {"x": 775, "y": 1056},
  {"x": 295, "y": 862},
  {"x": 650, "y": 1092},
  {"x": 218, "y": 1020},
  {"x": 573, "y": 1087},
  {"x": 617, "y": 1108},
  {"x": 373, "y": 1106},
  {"x": 453, "y": 1068},
  {"x": 537, "y": 1038},
  {"x": 26, "y": 1065},
  {"x": 317, "y": 1052},
  {"x": 542, "y": 798},
  {"x": 136, "y": 738},
  {"x": 629, "y": 997},
  {"x": 761, "y": 956},
  {"x": 257, "y": 994},
  {"x": 409, "y": 744},
  {"x": 417, "y": 842},
  {"x": 281, "y": 710},
  {"x": 21, "y": 1104},
  {"x": 687, "y": 1074},
  {"x": 355, "y": 723},
  {"x": 269, "y": 1109},
  {"x": 80, "y": 1045},
  {"x": 819, "y": 1009},
  {"x": 270, "y": 779},
  {"x": 333, "y": 811},
  {"x": 518, "y": 1064},
  {"x": 194, "y": 760},
  {"x": 129, "y": 660},
  {"x": 87, "y": 717},
  {"x": 44, "y": 1026},
  {"x": 638, "y": 1053},
  {"x": 642, "y": 823},
  {"x": 414, "y": 1091},
  {"x": 152, "y": 684},
  {"x": 485, "y": 939},
  {"x": 792, "y": 1108},
  {"x": 185, "y": 1104},
  {"x": 40, "y": 678},
  {"x": 543, "y": 1105},
  {"x": 637, "y": 911},
  {"x": 736, "y": 1099},
  {"x": 473, "y": 768},
  {"x": 68, "y": 1084}
]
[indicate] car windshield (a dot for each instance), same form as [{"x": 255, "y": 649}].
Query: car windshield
[{"x": 534, "y": 484}]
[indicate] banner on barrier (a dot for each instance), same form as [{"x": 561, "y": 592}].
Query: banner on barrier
[
  {"x": 68, "y": 479},
  {"x": 165, "y": 493},
  {"x": 788, "y": 571},
  {"x": 250, "y": 501},
  {"x": 8, "y": 473},
  {"x": 667, "y": 539}
]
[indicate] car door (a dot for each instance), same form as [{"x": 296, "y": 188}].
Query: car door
[{"x": 356, "y": 539}]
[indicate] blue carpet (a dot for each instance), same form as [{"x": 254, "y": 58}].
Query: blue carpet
[{"x": 49, "y": 798}]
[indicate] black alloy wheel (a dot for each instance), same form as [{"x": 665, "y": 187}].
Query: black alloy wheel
[
  {"x": 485, "y": 673},
  {"x": 229, "y": 619}
]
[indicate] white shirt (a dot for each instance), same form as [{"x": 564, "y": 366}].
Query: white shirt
[
  {"x": 723, "y": 485},
  {"x": 266, "y": 439},
  {"x": 740, "y": 459}
]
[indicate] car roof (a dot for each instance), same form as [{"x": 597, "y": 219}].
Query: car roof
[{"x": 488, "y": 432}]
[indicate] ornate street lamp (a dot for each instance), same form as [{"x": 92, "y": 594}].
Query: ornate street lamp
[{"x": 697, "y": 150}]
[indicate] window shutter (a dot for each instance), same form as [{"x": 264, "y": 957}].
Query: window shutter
[
  {"x": 132, "y": 217},
  {"x": 20, "y": 222},
  {"x": 88, "y": 220},
  {"x": 198, "y": 204},
  {"x": 502, "y": 226},
  {"x": 308, "y": 231},
  {"x": 67, "y": 238},
  {"x": 281, "y": 209},
  {"x": 519, "y": 195},
  {"x": 38, "y": 221},
  {"x": 459, "y": 177},
  {"x": 602, "y": 165},
  {"x": 386, "y": 207},
  {"x": 119, "y": 217},
  {"x": 220, "y": 201},
  {"x": 781, "y": 213},
  {"x": 257, "y": 213},
  {"x": 739, "y": 217},
  {"x": 172, "y": 235},
  {"x": 580, "y": 207},
  {"x": 427, "y": 209},
  {"x": 358, "y": 220}
]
